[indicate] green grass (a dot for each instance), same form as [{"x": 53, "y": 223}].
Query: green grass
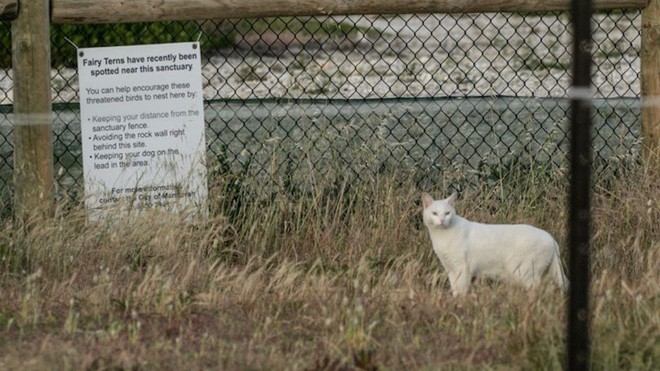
[
  {"x": 335, "y": 276},
  {"x": 212, "y": 35},
  {"x": 92, "y": 35}
]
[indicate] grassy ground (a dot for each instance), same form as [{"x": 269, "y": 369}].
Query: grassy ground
[{"x": 339, "y": 277}]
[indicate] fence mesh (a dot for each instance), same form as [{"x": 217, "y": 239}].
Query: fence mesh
[{"x": 347, "y": 97}]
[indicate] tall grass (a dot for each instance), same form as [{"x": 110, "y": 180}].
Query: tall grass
[{"x": 338, "y": 276}]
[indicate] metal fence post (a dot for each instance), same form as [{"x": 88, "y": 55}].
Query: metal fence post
[
  {"x": 33, "y": 145},
  {"x": 650, "y": 61},
  {"x": 580, "y": 187}
]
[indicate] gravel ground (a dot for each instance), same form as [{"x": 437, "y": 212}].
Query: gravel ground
[{"x": 412, "y": 56}]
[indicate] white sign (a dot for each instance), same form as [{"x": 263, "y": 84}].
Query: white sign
[{"x": 142, "y": 124}]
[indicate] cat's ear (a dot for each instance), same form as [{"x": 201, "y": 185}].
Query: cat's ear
[
  {"x": 427, "y": 200},
  {"x": 452, "y": 198}
]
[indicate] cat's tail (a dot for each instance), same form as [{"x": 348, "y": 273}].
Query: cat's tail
[{"x": 557, "y": 271}]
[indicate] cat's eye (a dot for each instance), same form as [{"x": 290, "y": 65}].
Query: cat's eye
[
  {"x": 447, "y": 213},
  {"x": 434, "y": 213}
]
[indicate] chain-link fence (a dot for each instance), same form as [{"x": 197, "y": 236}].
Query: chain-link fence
[{"x": 356, "y": 96}]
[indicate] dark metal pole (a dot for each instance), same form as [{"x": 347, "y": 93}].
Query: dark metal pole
[{"x": 580, "y": 189}]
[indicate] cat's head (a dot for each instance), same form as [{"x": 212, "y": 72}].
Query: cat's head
[{"x": 438, "y": 213}]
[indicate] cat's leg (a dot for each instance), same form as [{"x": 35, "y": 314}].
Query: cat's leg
[
  {"x": 460, "y": 282},
  {"x": 527, "y": 274},
  {"x": 556, "y": 271}
]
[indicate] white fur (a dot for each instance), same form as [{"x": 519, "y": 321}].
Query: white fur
[{"x": 509, "y": 252}]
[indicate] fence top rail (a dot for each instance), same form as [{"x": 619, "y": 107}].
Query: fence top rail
[
  {"x": 122, "y": 11},
  {"x": 8, "y": 10}
]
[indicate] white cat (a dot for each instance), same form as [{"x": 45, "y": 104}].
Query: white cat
[{"x": 510, "y": 252}]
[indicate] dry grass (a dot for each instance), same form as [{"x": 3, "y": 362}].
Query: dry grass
[{"x": 337, "y": 278}]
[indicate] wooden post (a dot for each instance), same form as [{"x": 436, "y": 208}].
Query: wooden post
[
  {"x": 8, "y": 10},
  {"x": 650, "y": 60},
  {"x": 33, "y": 144}
]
